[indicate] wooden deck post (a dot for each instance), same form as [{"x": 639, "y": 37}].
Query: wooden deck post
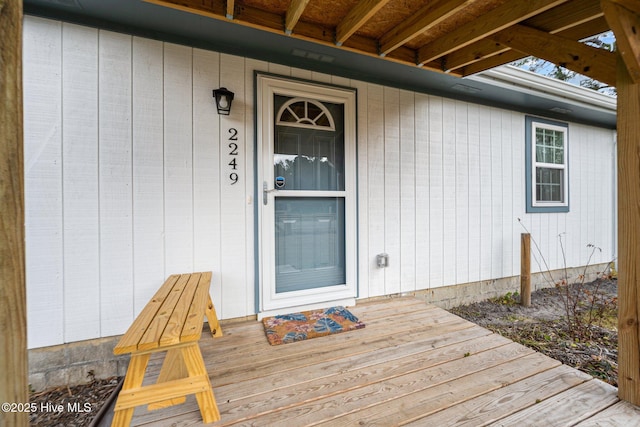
[
  {"x": 628, "y": 236},
  {"x": 13, "y": 334},
  {"x": 525, "y": 269}
]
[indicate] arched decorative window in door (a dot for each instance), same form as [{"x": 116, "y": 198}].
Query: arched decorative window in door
[{"x": 305, "y": 113}]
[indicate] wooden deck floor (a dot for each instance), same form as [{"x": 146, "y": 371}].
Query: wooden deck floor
[{"x": 413, "y": 364}]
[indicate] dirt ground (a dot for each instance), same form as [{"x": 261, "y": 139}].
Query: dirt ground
[
  {"x": 590, "y": 346},
  {"x": 543, "y": 326},
  {"x": 80, "y": 404}
]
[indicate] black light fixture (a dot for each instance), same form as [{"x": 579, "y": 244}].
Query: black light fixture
[{"x": 223, "y": 100}]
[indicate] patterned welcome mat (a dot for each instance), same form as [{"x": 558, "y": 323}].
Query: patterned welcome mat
[{"x": 287, "y": 328}]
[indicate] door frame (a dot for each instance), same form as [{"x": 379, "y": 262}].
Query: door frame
[{"x": 268, "y": 302}]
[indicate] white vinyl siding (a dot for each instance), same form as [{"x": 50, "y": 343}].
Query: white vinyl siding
[
  {"x": 46, "y": 298},
  {"x": 127, "y": 181},
  {"x": 80, "y": 177},
  {"x": 115, "y": 172}
]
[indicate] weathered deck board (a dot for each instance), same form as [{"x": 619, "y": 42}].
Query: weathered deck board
[
  {"x": 567, "y": 408},
  {"x": 252, "y": 391},
  {"x": 620, "y": 414},
  {"x": 370, "y": 375},
  {"x": 228, "y": 357},
  {"x": 269, "y": 379},
  {"x": 413, "y": 364},
  {"x": 491, "y": 407},
  {"x": 487, "y": 373}
]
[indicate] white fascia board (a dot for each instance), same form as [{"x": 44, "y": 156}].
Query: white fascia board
[{"x": 510, "y": 77}]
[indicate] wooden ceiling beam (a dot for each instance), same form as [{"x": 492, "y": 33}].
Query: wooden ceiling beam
[
  {"x": 576, "y": 33},
  {"x": 491, "y": 23},
  {"x": 505, "y": 57},
  {"x": 624, "y": 19},
  {"x": 632, "y": 5},
  {"x": 510, "y": 13},
  {"x": 357, "y": 17},
  {"x": 230, "y": 7},
  {"x": 294, "y": 12},
  {"x": 572, "y": 14},
  {"x": 217, "y": 9},
  {"x": 425, "y": 19},
  {"x": 478, "y": 51},
  {"x": 597, "y": 63}
]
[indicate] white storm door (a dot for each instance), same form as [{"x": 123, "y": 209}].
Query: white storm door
[{"x": 306, "y": 152}]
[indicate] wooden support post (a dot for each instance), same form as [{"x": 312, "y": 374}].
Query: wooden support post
[
  {"x": 525, "y": 269},
  {"x": 13, "y": 334},
  {"x": 629, "y": 236}
]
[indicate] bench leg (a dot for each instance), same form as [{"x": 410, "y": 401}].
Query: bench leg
[
  {"x": 183, "y": 372},
  {"x": 173, "y": 368},
  {"x": 132, "y": 380},
  {"x": 195, "y": 367},
  {"x": 212, "y": 318}
]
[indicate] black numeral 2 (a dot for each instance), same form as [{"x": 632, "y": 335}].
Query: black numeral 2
[{"x": 233, "y": 176}]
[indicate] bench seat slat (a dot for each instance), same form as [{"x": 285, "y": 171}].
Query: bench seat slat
[
  {"x": 131, "y": 338},
  {"x": 151, "y": 338},
  {"x": 193, "y": 323},
  {"x": 173, "y": 330}
]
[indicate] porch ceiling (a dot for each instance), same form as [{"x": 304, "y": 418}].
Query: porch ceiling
[{"x": 416, "y": 44}]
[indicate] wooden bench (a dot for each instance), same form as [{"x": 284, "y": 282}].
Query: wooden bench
[{"x": 171, "y": 322}]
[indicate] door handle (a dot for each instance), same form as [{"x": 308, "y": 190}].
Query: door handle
[{"x": 265, "y": 192}]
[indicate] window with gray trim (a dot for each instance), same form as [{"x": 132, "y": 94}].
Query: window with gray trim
[{"x": 547, "y": 165}]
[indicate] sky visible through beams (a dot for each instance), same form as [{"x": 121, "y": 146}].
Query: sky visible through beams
[{"x": 546, "y": 68}]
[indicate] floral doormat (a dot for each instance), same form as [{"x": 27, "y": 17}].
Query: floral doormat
[{"x": 287, "y": 328}]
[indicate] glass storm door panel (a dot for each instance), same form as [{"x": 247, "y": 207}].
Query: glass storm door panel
[
  {"x": 308, "y": 159},
  {"x": 309, "y": 240},
  {"x": 307, "y": 209}
]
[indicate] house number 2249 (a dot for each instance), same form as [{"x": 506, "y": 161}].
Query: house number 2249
[{"x": 233, "y": 152}]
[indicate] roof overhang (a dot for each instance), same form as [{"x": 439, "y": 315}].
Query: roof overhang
[{"x": 505, "y": 87}]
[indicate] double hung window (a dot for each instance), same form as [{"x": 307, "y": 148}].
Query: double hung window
[{"x": 547, "y": 166}]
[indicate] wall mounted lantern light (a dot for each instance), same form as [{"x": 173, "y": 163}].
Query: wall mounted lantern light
[{"x": 223, "y": 100}]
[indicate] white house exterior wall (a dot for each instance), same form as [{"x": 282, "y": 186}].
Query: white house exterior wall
[{"x": 126, "y": 166}]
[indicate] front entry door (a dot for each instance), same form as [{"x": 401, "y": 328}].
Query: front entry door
[{"x": 306, "y": 145}]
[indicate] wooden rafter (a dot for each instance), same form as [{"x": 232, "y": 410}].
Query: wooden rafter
[
  {"x": 465, "y": 49},
  {"x": 567, "y": 15},
  {"x": 624, "y": 19},
  {"x": 357, "y": 17},
  {"x": 294, "y": 12},
  {"x": 425, "y": 19},
  {"x": 272, "y": 22},
  {"x": 562, "y": 19},
  {"x": 576, "y": 33},
  {"x": 575, "y": 56},
  {"x": 499, "y": 19},
  {"x": 230, "y": 7},
  {"x": 631, "y": 5},
  {"x": 217, "y": 9}
]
